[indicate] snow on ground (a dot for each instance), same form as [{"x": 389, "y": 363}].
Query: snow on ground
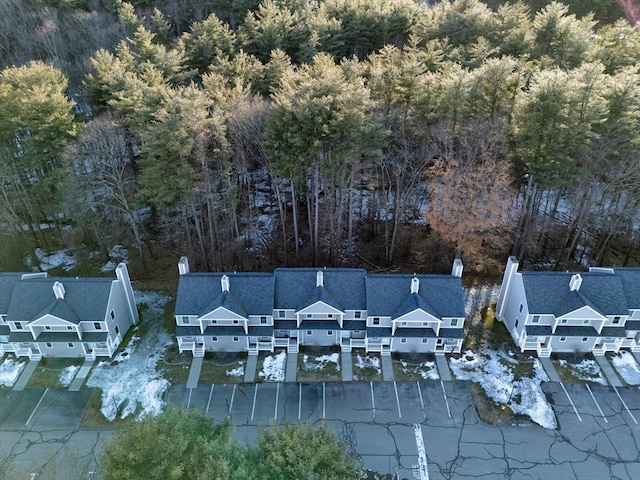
[
  {"x": 364, "y": 361},
  {"x": 627, "y": 367},
  {"x": 477, "y": 297},
  {"x": 311, "y": 363},
  {"x": 56, "y": 259},
  {"x": 236, "y": 372},
  {"x": 10, "y": 370},
  {"x": 523, "y": 396},
  {"x": 130, "y": 382},
  {"x": 117, "y": 254},
  {"x": 587, "y": 370},
  {"x": 68, "y": 374},
  {"x": 427, "y": 370},
  {"x": 273, "y": 368}
]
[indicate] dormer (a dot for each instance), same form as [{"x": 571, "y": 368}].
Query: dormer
[{"x": 575, "y": 283}]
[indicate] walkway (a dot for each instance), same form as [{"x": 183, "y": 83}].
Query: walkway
[
  {"x": 387, "y": 368},
  {"x": 548, "y": 366},
  {"x": 607, "y": 369},
  {"x": 194, "y": 372},
  {"x": 347, "y": 367},
  {"x": 443, "y": 367},
  {"x": 81, "y": 376},
  {"x": 250, "y": 368},
  {"x": 25, "y": 376},
  {"x": 291, "y": 372}
]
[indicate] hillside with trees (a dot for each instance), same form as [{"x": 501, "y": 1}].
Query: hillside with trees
[{"x": 388, "y": 134}]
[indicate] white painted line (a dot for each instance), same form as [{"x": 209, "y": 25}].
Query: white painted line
[
  {"x": 324, "y": 401},
  {"x": 233, "y": 395},
  {"x": 255, "y": 395},
  {"x": 209, "y": 401},
  {"x": 597, "y": 404},
  {"x": 275, "y": 411},
  {"x": 37, "y": 405},
  {"x": 625, "y": 406},
  {"x": 421, "y": 400},
  {"x": 444, "y": 394},
  {"x": 395, "y": 387},
  {"x": 422, "y": 454},
  {"x": 33, "y": 475},
  {"x": 571, "y": 401},
  {"x": 299, "y": 401},
  {"x": 373, "y": 400},
  {"x": 189, "y": 399}
]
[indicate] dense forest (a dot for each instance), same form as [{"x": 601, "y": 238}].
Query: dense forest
[{"x": 389, "y": 134}]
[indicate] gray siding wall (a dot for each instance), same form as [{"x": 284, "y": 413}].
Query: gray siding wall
[{"x": 122, "y": 317}]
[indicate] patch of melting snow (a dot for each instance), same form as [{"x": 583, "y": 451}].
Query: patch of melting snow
[
  {"x": 311, "y": 363},
  {"x": 427, "y": 370},
  {"x": 67, "y": 375},
  {"x": 130, "y": 382},
  {"x": 236, "y": 372},
  {"x": 56, "y": 259},
  {"x": 273, "y": 368},
  {"x": 627, "y": 367},
  {"x": 365, "y": 361},
  {"x": 117, "y": 254},
  {"x": 524, "y": 396},
  {"x": 587, "y": 370},
  {"x": 10, "y": 370}
]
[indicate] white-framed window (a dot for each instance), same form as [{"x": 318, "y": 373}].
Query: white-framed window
[
  {"x": 281, "y": 313},
  {"x": 403, "y": 324},
  {"x": 214, "y": 339},
  {"x": 585, "y": 339},
  {"x": 516, "y": 324},
  {"x": 616, "y": 320},
  {"x": 563, "y": 339},
  {"x": 49, "y": 345},
  {"x": 586, "y": 322},
  {"x": 113, "y": 315},
  {"x": 454, "y": 322},
  {"x": 425, "y": 324},
  {"x": 403, "y": 340},
  {"x": 18, "y": 326},
  {"x": 375, "y": 321},
  {"x": 235, "y": 322},
  {"x": 520, "y": 309},
  {"x": 47, "y": 327},
  {"x": 309, "y": 332},
  {"x": 357, "y": 314},
  {"x": 330, "y": 315},
  {"x": 70, "y": 345},
  {"x": 69, "y": 328},
  {"x": 309, "y": 315},
  {"x": 329, "y": 332},
  {"x": 535, "y": 319},
  {"x": 564, "y": 321},
  {"x": 117, "y": 330},
  {"x": 425, "y": 340},
  {"x": 263, "y": 320},
  {"x": 236, "y": 339},
  {"x": 97, "y": 326}
]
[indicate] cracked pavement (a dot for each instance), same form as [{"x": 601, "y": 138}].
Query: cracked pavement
[{"x": 600, "y": 441}]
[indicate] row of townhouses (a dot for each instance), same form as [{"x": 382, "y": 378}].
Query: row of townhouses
[{"x": 596, "y": 311}]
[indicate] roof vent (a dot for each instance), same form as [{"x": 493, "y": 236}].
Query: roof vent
[
  {"x": 58, "y": 290},
  {"x": 415, "y": 285},
  {"x": 224, "y": 283},
  {"x": 320, "y": 279},
  {"x": 575, "y": 282}
]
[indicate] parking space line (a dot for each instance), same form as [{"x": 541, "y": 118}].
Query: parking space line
[
  {"x": 422, "y": 455},
  {"x": 299, "y": 400},
  {"x": 373, "y": 400},
  {"x": 189, "y": 399},
  {"x": 421, "y": 400},
  {"x": 625, "y": 406},
  {"x": 206, "y": 412},
  {"x": 37, "y": 405},
  {"x": 255, "y": 395},
  {"x": 571, "y": 401},
  {"x": 275, "y": 410},
  {"x": 444, "y": 394},
  {"x": 324, "y": 403},
  {"x": 233, "y": 395},
  {"x": 597, "y": 404},
  {"x": 395, "y": 387}
]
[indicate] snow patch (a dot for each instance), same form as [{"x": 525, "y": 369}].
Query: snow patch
[
  {"x": 627, "y": 367},
  {"x": 10, "y": 370},
  {"x": 273, "y": 368},
  {"x": 311, "y": 363},
  {"x": 427, "y": 370},
  {"x": 62, "y": 258},
  {"x": 587, "y": 370},
  {"x": 236, "y": 372},
  {"x": 67, "y": 375},
  {"x": 117, "y": 254},
  {"x": 130, "y": 382},
  {"x": 523, "y": 396}
]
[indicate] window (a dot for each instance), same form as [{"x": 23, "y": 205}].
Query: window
[
  {"x": 330, "y": 332},
  {"x": 586, "y": 322},
  {"x": 425, "y": 324},
  {"x": 425, "y": 340},
  {"x": 330, "y": 315},
  {"x": 113, "y": 315},
  {"x": 69, "y": 328},
  {"x": 97, "y": 325},
  {"x": 520, "y": 309},
  {"x": 70, "y": 345},
  {"x": 236, "y": 339},
  {"x": 403, "y": 340},
  {"x": 214, "y": 339},
  {"x": 564, "y": 321},
  {"x": 403, "y": 324},
  {"x": 49, "y": 345},
  {"x": 214, "y": 322},
  {"x": 454, "y": 322},
  {"x": 309, "y": 332},
  {"x": 516, "y": 324},
  {"x": 376, "y": 320},
  {"x": 281, "y": 313},
  {"x": 18, "y": 326},
  {"x": 563, "y": 339},
  {"x": 585, "y": 339},
  {"x": 309, "y": 315},
  {"x": 117, "y": 330},
  {"x": 263, "y": 320},
  {"x": 616, "y": 320},
  {"x": 47, "y": 327},
  {"x": 535, "y": 319},
  {"x": 357, "y": 314},
  {"x": 235, "y": 322}
]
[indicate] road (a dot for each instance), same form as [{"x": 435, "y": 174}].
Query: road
[{"x": 417, "y": 430}]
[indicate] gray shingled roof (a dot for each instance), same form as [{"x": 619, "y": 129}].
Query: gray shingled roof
[
  {"x": 630, "y": 278},
  {"x": 200, "y": 293},
  {"x": 344, "y": 288},
  {"x": 390, "y": 295},
  {"x": 59, "y": 337},
  {"x": 548, "y": 292},
  {"x": 7, "y": 283},
  {"x": 632, "y": 325},
  {"x": 85, "y": 299}
]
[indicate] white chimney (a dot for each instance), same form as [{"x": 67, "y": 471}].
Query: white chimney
[
  {"x": 415, "y": 285},
  {"x": 319, "y": 279},
  {"x": 456, "y": 271},
  {"x": 575, "y": 282},
  {"x": 224, "y": 283},
  {"x": 183, "y": 265},
  {"x": 58, "y": 290}
]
